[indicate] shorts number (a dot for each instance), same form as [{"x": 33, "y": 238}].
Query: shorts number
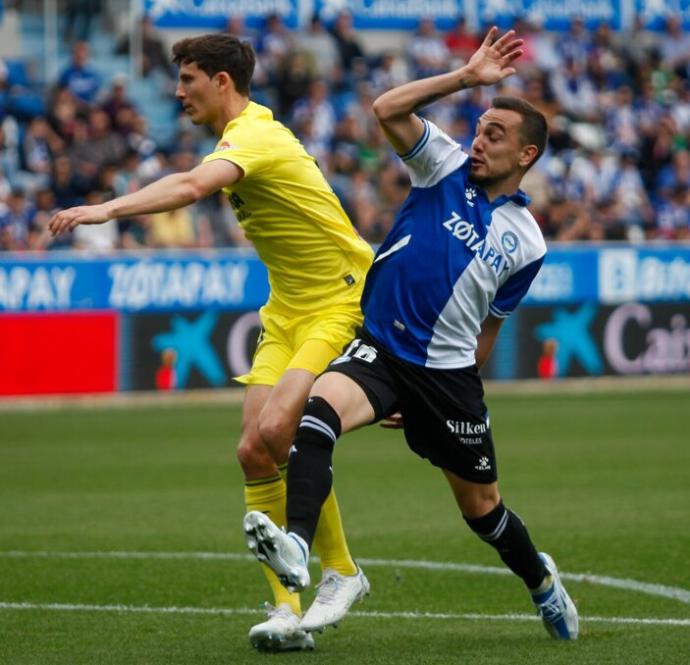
[{"x": 357, "y": 350}]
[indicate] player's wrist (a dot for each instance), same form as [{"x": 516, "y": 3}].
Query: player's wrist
[
  {"x": 466, "y": 78},
  {"x": 109, "y": 209}
]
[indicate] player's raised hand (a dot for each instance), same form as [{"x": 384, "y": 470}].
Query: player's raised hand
[
  {"x": 68, "y": 220},
  {"x": 491, "y": 62}
]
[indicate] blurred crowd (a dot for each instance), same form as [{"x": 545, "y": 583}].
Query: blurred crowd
[{"x": 617, "y": 166}]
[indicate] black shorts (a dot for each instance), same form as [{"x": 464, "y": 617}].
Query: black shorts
[{"x": 444, "y": 416}]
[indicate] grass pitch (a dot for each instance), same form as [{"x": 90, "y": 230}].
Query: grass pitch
[{"x": 105, "y": 514}]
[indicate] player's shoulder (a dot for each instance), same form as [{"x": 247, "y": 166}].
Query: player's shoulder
[
  {"x": 517, "y": 225},
  {"x": 434, "y": 156},
  {"x": 255, "y": 120}
]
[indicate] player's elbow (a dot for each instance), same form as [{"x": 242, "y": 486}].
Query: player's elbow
[{"x": 382, "y": 109}]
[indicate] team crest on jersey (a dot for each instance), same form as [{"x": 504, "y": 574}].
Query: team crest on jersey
[
  {"x": 224, "y": 145},
  {"x": 509, "y": 241},
  {"x": 470, "y": 195}
]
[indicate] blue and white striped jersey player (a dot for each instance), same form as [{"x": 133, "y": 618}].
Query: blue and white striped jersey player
[{"x": 460, "y": 257}]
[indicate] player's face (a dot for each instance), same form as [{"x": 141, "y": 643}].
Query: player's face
[
  {"x": 196, "y": 92},
  {"x": 496, "y": 148}
]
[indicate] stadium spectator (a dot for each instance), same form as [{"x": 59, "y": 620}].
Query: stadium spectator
[
  {"x": 574, "y": 45},
  {"x": 16, "y": 221},
  {"x": 471, "y": 106},
  {"x": 237, "y": 28},
  {"x": 63, "y": 114},
  {"x": 676, "y": 174},
  {"x": 575, "y": 92},
  {"x": 95, "y": 144},
  {"x": 433, "y": 307},
  {"x": 675, "y": 47},
  {"x": 118, "y": 106},
  {"x": 275, "y": 44},
  {"x": 427, "y": 51},
  {"x": 633, "y": 206},
  {"x": 320, "y": 46},
  {"x": 9, "y": 149},
  {"x": 673, "y": 214},
  {"x": 541, "y": 54},
  {"x": 165, "y": 378},
  {"x": 461, "y": 42},
  {"x": 4, "y": 72},
  {"x": 79, "y": 77},
  {"x": 316, "y": 264},
  {"x": 596, "y": 172},
  {"x": 172, "y": 228},
  {"x": 153, "y": 56},
  {"x": 40, "y": 237},
  {"x": 566, "y": 218},
  {"x": 293, "y": 80},
  {"x": 5, "y": 188},
  {"x": 388, "y": 72},
  {"x": 348, "y": 43},
  {"x": 316, "y": 111},
  {"x": 66, "y": 186},
  {"x": 39, "y": 145},
  {"x": 79, "y": 16},
  {"x": 637, "y": 46},
  {"x": 547, "y": 365}
]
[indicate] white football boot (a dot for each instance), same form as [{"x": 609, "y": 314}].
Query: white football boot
[
  {"x": 554, "y": 606},
  {"x": 335, "y": 594},
  {"x": 286, "y": 554},
  {"x": 281, "y": 632}
]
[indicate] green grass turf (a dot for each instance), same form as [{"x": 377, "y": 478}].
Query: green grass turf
[{"x": 602, "y": 481}]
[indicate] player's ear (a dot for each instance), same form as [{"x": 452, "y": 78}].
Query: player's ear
[
  {"x": 222, "y": 80},
  {"x": 527, "y": 155}
]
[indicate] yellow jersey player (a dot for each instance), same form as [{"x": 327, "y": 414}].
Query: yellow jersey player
[{"x": 316, "y": 266}]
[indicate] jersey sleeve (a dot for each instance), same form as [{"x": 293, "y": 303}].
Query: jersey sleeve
[
  {"x": 433, "y": 157},
  {"x": 510, "y": 294},
  {"x": 247, "y": 151}
]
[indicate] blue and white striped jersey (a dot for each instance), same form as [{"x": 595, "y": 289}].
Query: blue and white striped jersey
[{"x": 450, "y": 259}]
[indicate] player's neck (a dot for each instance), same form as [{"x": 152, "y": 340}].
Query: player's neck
[
  {"x": 504, "y": 187},
  {"x": 234, "y": 107}
]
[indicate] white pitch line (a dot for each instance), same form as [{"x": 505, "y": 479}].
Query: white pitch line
[
  {"x": 233, "y": 611},
  {"x": 659, "y": 590}
]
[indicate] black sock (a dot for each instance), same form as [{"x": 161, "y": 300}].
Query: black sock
[
  {"x": 310, "y": 476},
  {"x": 505, "y": 532}
]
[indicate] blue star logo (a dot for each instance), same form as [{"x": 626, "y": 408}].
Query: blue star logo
[
  {"x": 571, "y": 330},
  {"x": 190, "y": 339}
]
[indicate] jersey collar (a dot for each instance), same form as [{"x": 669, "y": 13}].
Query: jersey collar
[{"x": 519, "y": 198}]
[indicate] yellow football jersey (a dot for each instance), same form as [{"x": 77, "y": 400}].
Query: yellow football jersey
[{"x": 289, "y": 212}]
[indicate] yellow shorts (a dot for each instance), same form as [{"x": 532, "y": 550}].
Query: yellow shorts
[{"x": 307, "y": 342}]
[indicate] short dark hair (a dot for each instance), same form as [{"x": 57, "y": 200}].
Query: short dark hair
[
  {"x": 533, "y": 129},
  {"x": 218, "y": 53}
]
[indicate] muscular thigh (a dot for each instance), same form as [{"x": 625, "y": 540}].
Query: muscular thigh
[
  {"x": 359, "y": 384},
  {"x": 446, "y": 421}
]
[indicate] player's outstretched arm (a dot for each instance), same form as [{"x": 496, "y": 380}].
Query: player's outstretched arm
[
  {"x": 396, "y": 108},
  {"x": 168, "y": 193}
]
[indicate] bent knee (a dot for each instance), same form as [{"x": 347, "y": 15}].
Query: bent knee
[
  {"x": 277, "y": 430},
  {"x": 477, "y": 504},
  {"x": 254, "y": 458}
]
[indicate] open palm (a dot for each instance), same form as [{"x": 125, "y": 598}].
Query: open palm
[{"x": 491, "y": 62}]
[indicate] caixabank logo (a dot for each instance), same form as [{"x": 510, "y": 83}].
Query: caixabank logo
[
  {"x": 592, "y": 340},
  {"x": 198, "y": 350}
]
